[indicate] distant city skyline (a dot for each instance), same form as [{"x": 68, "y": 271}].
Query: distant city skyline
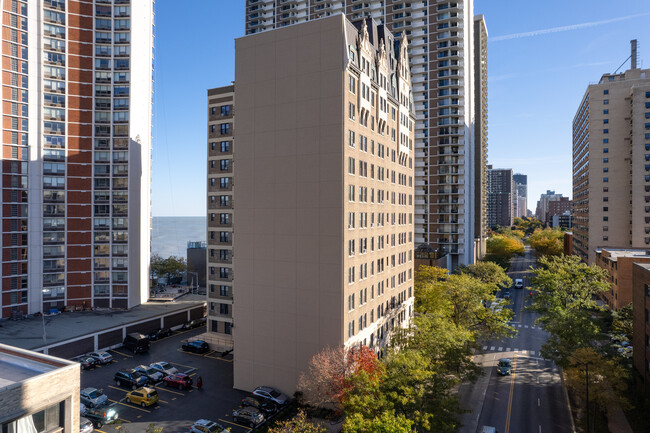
[{"x": 534, "y": 88}]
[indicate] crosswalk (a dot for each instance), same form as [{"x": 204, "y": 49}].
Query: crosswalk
[
  {"x": 519, "y": 325},
  {"x": 522, "y": 352}
]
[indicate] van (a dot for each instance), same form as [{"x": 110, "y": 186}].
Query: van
[
  {"x": 136, "y": 343},
  {"x": 519, "y": 283}
]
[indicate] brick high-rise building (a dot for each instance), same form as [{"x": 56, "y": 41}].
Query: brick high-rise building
[
  {"x": 611, "y": 164},
  {"x": 76, "y": 140},
  {"x": 324, "y": 195},
  {"x": 555, "y": 207},
  {"x": 446, "y": 45}
]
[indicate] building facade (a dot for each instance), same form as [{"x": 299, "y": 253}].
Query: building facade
[
  {"x": 611, "y": 164},
  {"x": 557, "y": 207},
  {"x": 196, "y": 274},
  {"x": 444, "y": 48},
  {"x": 38, "y": 393},
  {"x": 324, "y": 189},
  {"x": 500, "y": 197},
  {"x": 521, "y": 184},
  {"x": 619, "y": 263},
  {"x": 641, "y": 323},
  {"x": 221, "y": 124},
  {"x": 542, "y": 204},
  {"x": 76, "y": 140}
]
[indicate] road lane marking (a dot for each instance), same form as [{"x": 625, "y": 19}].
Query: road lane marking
[
  {"x": 484, "y": 347},
  {"x": 526, "y": 326},
  {"x": 508, "y": 349},
  {"x": 500, "y": 349},
  {"x": 532, "y": 352},
  {"x": 492, "y": 348},
  {"x": 518, "y": 326},
  {"x": 123, "y": 354},
  {"x": 233, "y": 423},
  {"x": 538, "y": 402},
  {"x": 129, "y": 405},
  {"x": 512, "y": 391}
]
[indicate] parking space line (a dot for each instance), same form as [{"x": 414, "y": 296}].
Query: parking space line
[
  {"x": 191, "y": 374},
  {"x": 209, "y": 352},
  {"x": 169, "y": 390},
  {"x": 219, "y": 358},
  {"x": 123, "y": 354},
  {"x": 163, "y": 401},
  {"x": 233, "y": 423},
  {"x": 129, "y": 405},
  {"x": 125, "y": 420}
]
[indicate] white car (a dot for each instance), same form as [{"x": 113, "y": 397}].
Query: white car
[
  {"x": 207, "y": 426},
  {"x": 102, "y": 357},
  {"x": 150, "y": 372},
  {"x": 164, "y": 367},
  {"x": 519, "y": 283},
  {"x": 272, "y": 394}
]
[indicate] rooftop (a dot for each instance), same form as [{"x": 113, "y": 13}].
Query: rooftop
[
  {"x": 17, "y": 365},
  {"x": 615, "y": 253}
]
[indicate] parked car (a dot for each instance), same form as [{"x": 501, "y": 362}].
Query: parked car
[
  {"x": 181, "y": 381},
  {"x": 101, "y": 415},
  {"x": 196, "y": 346},
  {"x": 92, "y": 397},
  {"x": 157, "y": 334},
  {"x": 130, "y": 378},
  {"x": 504, "y": 367},
  {"x": 194, "y": 323},
  {"x": 207, "y": 426},
  {"x": 519, "y": 283},
  {"x": 506, "y": 295},
  {"x": 248, "y": 416},
  {"x": 143, "y": 396},
  {"x": 136, "y": 343},
  {"x": 102, "y": 357},
  {"x": 272, "y": 394},
  {"x": 85, "y": 425},
  {"x": 86, "y": 362},
  {"x": 164, "y": 367},
  {"x": 264, "y": 405},
  {"x": 153, "y": 375}
]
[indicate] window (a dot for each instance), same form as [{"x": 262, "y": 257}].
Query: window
[
  {"x": 606, "y": 92},
  {"x": 605, "y": 160},
  {"x": 225, "y": 110},
  {"x": 606, "y": 101},
  {"x": 605, "y": 218},
  {"x": 605, "y": 169},
  {"x": 605, "y": 121},
  {"x": 352, "y": 110},
  {"x": 225, "y": 128},
  {"x": 605, "y": 111},
  {"x": 605, "y": 179},
  {"x": 606, "y": 150},
  {"x": 225, "y": 146},
  {"x": 223, "y": 308},
  {"x": 352, "y": 84},
  {"x": 351, "y": 139},
  {"x": 605, "y": 131}
]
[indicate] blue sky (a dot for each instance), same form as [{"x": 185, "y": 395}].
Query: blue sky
[{"x": 541, "y": 57}]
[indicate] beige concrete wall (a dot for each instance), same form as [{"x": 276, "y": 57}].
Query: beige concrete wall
[
  {"x": 641, "y": 324},
  {"x": 289, "y": 211}
]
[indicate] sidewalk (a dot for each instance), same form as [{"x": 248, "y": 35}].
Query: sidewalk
[{"x": 472, "y": 396}]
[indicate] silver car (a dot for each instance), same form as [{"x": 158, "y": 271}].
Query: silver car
[
  {"x": 101, "y": 357},
  {"x": 92, "y": 397},
  {"x": 164, "y": 367},
  {"x": 149, "y": 372},
  {"x": 272, "y": 394}
]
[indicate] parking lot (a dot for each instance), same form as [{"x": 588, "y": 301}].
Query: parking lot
[{"x": 176, "y": 409}]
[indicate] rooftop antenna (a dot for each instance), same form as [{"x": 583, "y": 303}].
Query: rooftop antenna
[{"x": 633, "y": 57}]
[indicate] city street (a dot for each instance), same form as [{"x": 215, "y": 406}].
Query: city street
[{"x": 531, "y": 398}]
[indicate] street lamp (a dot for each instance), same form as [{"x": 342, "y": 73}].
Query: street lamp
[{"x": 586, "y": 364}]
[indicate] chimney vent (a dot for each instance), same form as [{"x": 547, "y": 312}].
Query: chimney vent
[{"x": 633, "y": 62}]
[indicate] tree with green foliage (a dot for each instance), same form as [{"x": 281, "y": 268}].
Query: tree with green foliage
[
  {"x": 501, "y": 248},
  {"x": 547, "y": 242},
  {"x": 622, "y": 321},
  {"x": 297, "y": 424},
  {"x": 527, "y": 225},
  {"x": 566, "y": 289},
  {"x": 488, "y": 273},
  {"x": 386, "y": 422},
  {"x": 170, "y": 267}
]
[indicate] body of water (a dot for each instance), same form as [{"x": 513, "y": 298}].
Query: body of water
[{"x": 170, "y": 235}]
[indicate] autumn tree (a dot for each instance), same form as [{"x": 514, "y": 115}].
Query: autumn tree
[
  {"x": 488, "y": 273},
  {"x": 170, "y": 267},
  {"x": 386, "y": 422},
  {"x": 566, "y": 289},
  {"x": 527, "y": 225},
  {"x": 501, "y": 248},
  {"x": 547, "y": 242},
  {"x": 298, "y": 424}
]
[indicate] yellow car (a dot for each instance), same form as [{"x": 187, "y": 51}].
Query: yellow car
[{"x": 143, "y": 396}]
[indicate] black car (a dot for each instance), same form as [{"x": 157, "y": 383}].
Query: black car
[
  {"x": 101, "y": 415},
  {"x": 266, "y": 406},
  {"x": 86, "y": 362},
  {"x": 130, "y": 378},
  {"x": 136, "y": 343},
  {"x": 159, "y": 333},
  {"x": 196, "y": 346},
  {"x": 194, "y": 323}
]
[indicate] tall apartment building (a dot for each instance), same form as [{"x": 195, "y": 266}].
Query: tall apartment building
[
  {"x": 444, "y": 57},
  {"x": 480, "y": 135},
  {"x": 521, "y": 184},
  {"x": 500, "y": 197},
  {"x": 76, "y": 140},
  {"x": 324, "y": 190},
  {"x": 611, "y": 164},
  {"x": 641, "y": 323},
  {"x": 221, "y": 123},
  {"x": 557, "y": 207},
  {"x": 542, "y": 204}
]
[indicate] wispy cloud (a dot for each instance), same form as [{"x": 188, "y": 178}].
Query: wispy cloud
[{"x": 563, "y": 28}]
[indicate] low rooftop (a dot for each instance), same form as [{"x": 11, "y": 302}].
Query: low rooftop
[
  {"x": 18, "y": 365},
  {"x": 615, "y": 253}
]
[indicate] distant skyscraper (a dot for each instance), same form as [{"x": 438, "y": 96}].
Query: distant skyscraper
[
  {"x": 76, "y": 154},
  {"x": 542, "y": 204},
  {"x": 521, "y": 184},
  {"x": 446, "y": 45},
  {"x": 611, "y": 164},
  {"x": 500, "y": 197}
]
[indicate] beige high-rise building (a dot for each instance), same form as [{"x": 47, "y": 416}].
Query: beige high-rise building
[
  {"x": 446, "y": 44},
  {"x": 219, "y": 251},
  {"x": 324, "y": 195},
  {"x": 611, "y": 164}
]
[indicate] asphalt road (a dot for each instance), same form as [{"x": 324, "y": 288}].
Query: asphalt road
[
  {"x": 532, "y": 398},
  {"x": 176, "y": 409}
]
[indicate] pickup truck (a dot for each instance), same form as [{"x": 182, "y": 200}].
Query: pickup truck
[{"x": 101, "y": 415}]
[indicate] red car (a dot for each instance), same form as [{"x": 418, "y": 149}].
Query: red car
[{"x": 180, "y": 381}]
